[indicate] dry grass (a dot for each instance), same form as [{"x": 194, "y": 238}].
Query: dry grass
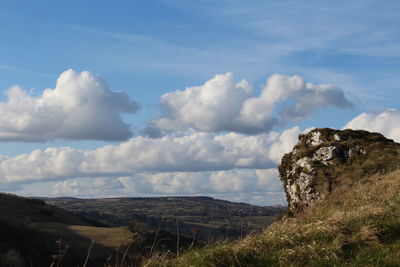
[{"x": 357, "y": 226}]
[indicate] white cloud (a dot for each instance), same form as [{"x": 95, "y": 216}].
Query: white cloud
[
  {"x": 3, "y": 157},
  {"x": 386, "y": 123},
  {"x": 236, "y": 180},
  {"x": 81, "y": 187},
  {"x": 189, "y": 152},
  {"x": 221, "y": 104},
  {"x": 210, "y": 107},
  {"x": 67, "y": 188},
  {"x": 285, "y": 143},
  {"x": 81, "y": 106}
]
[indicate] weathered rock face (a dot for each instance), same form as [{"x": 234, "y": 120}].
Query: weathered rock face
[{"x": 325, "y": 158}]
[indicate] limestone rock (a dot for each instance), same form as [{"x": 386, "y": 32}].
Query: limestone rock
[{"x": 325, "y": 158}]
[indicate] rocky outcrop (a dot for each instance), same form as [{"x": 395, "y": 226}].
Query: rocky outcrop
[{"x": 325, "y": 158}]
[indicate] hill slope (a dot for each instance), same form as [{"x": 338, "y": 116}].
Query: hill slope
[
  {"x": 354, "y": 222},
  {"x": 31, "y": 232},
  {"x": 18, "y": 210}
]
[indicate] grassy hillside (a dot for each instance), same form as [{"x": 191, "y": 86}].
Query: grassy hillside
[
  {"x": 33, "y": 233},
  {"x": 214, "y": 219},
  {"x": 19, "y": 210},
  {"x": 356, "y": 225}
]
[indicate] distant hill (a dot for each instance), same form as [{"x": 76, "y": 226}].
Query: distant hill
[
  {"x": 212, "y": 218},
  {"x": 343, "y": 190}
]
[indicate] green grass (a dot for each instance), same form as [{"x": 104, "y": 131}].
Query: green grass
[
  {"x": 354, "y": 226},
  {"x": 109, "y": 237}
]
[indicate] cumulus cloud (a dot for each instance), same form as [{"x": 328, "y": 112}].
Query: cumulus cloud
[
  {"x": 81, "y": 106},
  {"x": 189, "y": 152},
  {"x": 221, "y": 104},
  {"x": 284, "y": 144},
  {"x": 386, "y": 123}
]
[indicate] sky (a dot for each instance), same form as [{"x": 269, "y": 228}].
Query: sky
[{"x": 173, "y": 97}]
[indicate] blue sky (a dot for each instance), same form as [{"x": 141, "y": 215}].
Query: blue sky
[{"x": 150, "y": 48}]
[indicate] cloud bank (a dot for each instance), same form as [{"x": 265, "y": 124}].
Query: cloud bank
[
  {"x": 81, "y": 106},
  {"x": 386, "y": 123},
  {"x": 221, "y": 104},
  {"x": 237, "y": 180},
  {"x": 189, "y": 152}
]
